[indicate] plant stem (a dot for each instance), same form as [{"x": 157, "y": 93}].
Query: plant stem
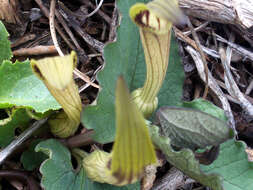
[
  {"x": 156, "y": 49},
  {"x": 156, "y": 62}
]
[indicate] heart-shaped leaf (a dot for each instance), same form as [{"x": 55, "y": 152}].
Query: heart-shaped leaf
[
  {"x": 190, "y": 128},
  {"x": 58, "y": 172},
  {"x": 20, "y": 87},
  {"x": 17, "y": 118},
  {"x": 230, "y": 171},
  {"x": 31, "y": 159},
  {"x": 207, "y": 107}
]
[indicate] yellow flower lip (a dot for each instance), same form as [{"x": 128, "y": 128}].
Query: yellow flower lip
[
  {"x": 157, "y": 15},
  {"x": 58, "y": 73},
  {"x": 146, "y": 19},
  {"x": 133, "y": 149}
]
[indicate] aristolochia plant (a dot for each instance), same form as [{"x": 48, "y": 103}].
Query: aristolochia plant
[
  {"x": 57, "y": 75},
  {"x": 132, "y": 150},
  {"x": 154, "y": 20}
]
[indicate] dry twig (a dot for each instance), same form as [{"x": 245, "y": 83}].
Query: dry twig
[
  {"x": 181, "y": 36},
  {"x": 99, "y": 46},
  {"x": 99, "y": 12},
  {"x": 113, "y": 25},
  {"x": 23, "y": 40},
  {"x": 37, "y": 50},
  {"x": 46, "y": 13},
  {"x": 237, "y": 12},
  {"x": 232, "y": 86},
  {"x": 171, "y": 181},
  {"x": 78, "y": 140},
  {"x": 242, "y": 51},
  {"x": 96, "y": 9},
  {"x": 52, "y": 27},
  {"x": 200, "y": 27},
  {"x": 194, "y": 34},
  {"x": 53, "y": 34},
  {"x": 9, "y": 11},
  {"x": 250, "y": 88},
  {"x": 69, "y": 32}
]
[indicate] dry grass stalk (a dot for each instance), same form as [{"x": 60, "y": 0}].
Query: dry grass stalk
[{"x": 9, "y": 11}]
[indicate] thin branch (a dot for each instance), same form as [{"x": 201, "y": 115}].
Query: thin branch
[
  {"x": 249, "y": 88},
  {"x": 85, "y": 78},
  {"x": 23, "y": 40},
  {"x": 52, "y": 27},
  {"x": 100, "y": 12},
  {"x": 241, "y": 50},
  {"x": 87, "y": 38},
  {"x": 96, "y": 10},
  {"x": 181, "y": 36},
  {"x": 46, "y": 13},
  {"x": 232, "y": 86},
  {"x": 69, "y": 32},
  {"x": 236, "y": 12},
  {"x": 194, "y": 34},
  {"x": 200, "y": 27},
  {"x": 82, "y": 88},
  {"x": 37, "y": 50},
  {"x": 170, "y": 181}
]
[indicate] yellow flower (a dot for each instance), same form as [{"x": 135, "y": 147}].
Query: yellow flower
[
  {"x": 132, "y": 150},
  {"x": 154, "y": 20},
  {"x": 57, "y": 74}
]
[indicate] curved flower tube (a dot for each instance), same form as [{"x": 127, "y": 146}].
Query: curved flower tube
[
  {"x": 154, "y": 20},
  {"x": 132, "y": 150},
  {"x": 57, "y": 74}
]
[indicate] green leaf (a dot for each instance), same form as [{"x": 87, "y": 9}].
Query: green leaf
[
  {"x": 230, "y": 171},
  {"x": 233, "y": 165},
  {"x": 126, "y": 57},
  {"x": 206, "y": 106},
  {"x": 58, "y": 172},
  {"x": 20, "y": 87},
  {"x": 184, "y": 160},
  {"x": 5, "y": 53},
  {"x": 190, "y": 128},
  {"x": 31, "y": 159},
  {"x": 17, "y": 118}
]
